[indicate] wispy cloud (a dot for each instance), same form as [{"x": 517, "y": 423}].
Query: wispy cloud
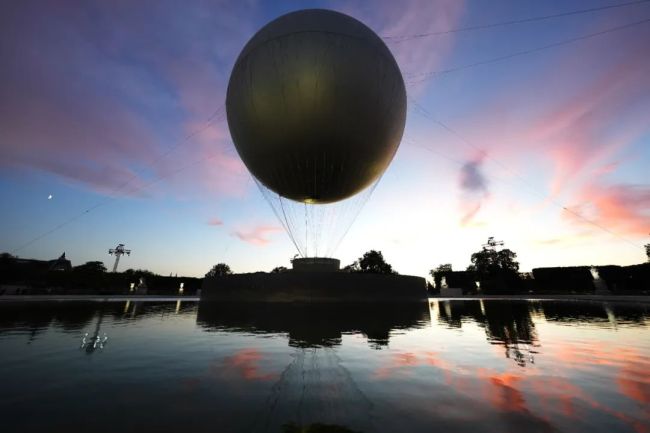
[
  {"x": 583, "y": 129},
  {"x": 587, "y": 123},
  {"x": 96, "y": 95},
  {"x": 473, "y": 188},
  {"x": 215, "y": 222},
  {"x": 391, "y": 18},
  {"x": 258, "y": 235},
  {"x": 623, "y": 209}
]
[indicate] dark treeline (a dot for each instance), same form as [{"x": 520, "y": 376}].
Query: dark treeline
[
  {"x": 578, "y": 279},
  {"x": 634, "y": 279},
  {"x": 491, "y": 271},
  {"x": 38, "y": 277},
  {"x": 494, "y": 271}
]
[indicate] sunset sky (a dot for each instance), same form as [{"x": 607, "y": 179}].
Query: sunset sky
[{"x": 547, "y": 151}]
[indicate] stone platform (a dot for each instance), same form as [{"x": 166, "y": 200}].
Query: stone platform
[{"x": 314, "y": 286}]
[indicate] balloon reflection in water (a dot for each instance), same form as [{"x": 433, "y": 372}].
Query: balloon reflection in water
[{"x": 315, "y": 386}]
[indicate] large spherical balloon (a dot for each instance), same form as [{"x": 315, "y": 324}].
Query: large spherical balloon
[{"x": 316, "y": 106}]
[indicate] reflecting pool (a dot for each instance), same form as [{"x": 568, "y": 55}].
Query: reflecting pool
[{"x": 451, "y": 366}]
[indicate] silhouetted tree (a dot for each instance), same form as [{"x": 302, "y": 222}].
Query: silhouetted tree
[
  {"x": 506, "y": 259},
  {"x": 440, "y": 272},
  {"x": 94, "y": 267},
  {"x": 373, "y": 262},
  {"x": 8, "y": 269},
  {"x": 279, "y": 270},
  {"x": 7, "y": 256},
  {"x": 139, "y": 273},
  {"x": 219, "y": 269},
  {"x": 7, "y": 260},
  {"x": 89, "y": 276},
  {"x": 647, "y": 251},
  {"x": 352, "y": 267},
  {"x": 489, "y": 262},
  {"x": 497, "y": 271}
]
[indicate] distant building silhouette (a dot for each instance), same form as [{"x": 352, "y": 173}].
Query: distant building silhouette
[{"x": 59, "y": 264}]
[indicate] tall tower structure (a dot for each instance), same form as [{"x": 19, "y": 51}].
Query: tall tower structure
[
  {"x": 492, "y": 244},
  {"x": 118, "y": 251}
]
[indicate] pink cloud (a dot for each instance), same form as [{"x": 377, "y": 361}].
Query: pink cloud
[
  {"x": 602, "y": 116},
  {"x": 582, "y": 130},
  {"x": 623, "y": 209},
  {"x": 215, "y": 222},
  {"x": 98, "y": 97},
  {"x": 585, "y": 105},
  {"x": 586, "y": 122},
  {"x": 257, "y": 235},
  {"x": 104, "y": 111},
  {"x": 222, "y": 173}
]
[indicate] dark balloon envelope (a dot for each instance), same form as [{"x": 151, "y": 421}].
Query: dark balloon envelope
[{"x": 316, "y": 106}]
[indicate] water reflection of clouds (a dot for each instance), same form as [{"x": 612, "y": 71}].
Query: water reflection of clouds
[
  {"x": 245, "y": 364},
  {"x": 313, "y": 386},
  {"x": 630, "y": 367},
  {"x": 533, "y": 402},
  {"x": 577, "y": 374},
  {"x": 403, "y": 363},
  {"x": 591, "y": 372},
  {"x": 634, "y": 382}
]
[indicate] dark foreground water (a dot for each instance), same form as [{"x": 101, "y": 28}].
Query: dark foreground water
[{"x": 451, "y": 366}]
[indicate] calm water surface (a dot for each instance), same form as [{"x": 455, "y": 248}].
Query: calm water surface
[{"x": 466, "y": 366}]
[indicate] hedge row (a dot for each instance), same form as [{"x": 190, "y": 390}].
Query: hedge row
[
  {"x": 624, "y": 279},
  {"x": 571, "y": 279},
  {"x": 76, "y": 282}
]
